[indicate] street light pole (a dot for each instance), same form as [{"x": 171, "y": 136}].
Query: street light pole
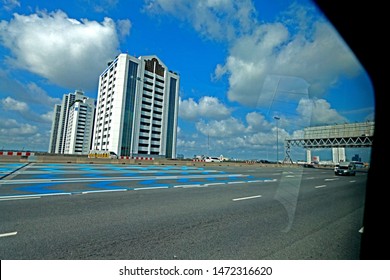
[{"x": 277, "y": 139}]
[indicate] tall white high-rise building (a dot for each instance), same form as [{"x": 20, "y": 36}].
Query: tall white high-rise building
[
  {"x": 338, "y": 155},
  {"x": 80, "y": 124},
  {"x": 137, "y": 108},
  {"x": 54, "y": 128},
  {"x": 61, "y": 122}
]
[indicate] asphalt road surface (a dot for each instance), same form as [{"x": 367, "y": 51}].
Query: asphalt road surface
[{"x": 124, "y": 212}]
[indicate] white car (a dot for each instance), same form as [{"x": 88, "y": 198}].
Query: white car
[{"x": 212, "y": 159}]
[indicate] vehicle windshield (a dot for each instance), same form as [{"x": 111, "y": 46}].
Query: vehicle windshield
[{"x": 180, "y": 130}]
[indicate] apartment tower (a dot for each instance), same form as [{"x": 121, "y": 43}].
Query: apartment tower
[
  {"x": 76, "y": 110},
  {"x": 137, "y": 108},
  {"x": 81, "y": 115},
  {"x": 54, "y": 128}
]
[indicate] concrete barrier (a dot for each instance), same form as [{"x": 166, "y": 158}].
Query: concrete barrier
[{"x": 63, "y": 159}]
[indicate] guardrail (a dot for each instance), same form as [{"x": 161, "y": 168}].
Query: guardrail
[{"x": 20, "y": 154}]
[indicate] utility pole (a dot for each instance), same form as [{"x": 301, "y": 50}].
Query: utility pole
[{"x": 277, "y": 139}]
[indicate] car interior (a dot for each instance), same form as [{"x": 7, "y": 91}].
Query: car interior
[{"x": 358, "y": 24}]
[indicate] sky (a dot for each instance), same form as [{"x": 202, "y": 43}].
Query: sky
[{"x": 241, "y": 64}]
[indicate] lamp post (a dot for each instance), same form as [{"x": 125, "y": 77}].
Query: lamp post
[{"x": 277, "y": 139}]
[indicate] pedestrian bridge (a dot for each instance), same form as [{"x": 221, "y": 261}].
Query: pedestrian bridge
[{"x": 352, "y": 135}]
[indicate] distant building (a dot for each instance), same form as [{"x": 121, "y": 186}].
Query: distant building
[
  {"x": 54, "y": 128},
  {"x": 137, "y": 108},
  {"x": 338, "y": 155},
  {"x": 80, "y": 124},
  {"x": 356, "y": 157},
  {"x": 64, "y": 115}
]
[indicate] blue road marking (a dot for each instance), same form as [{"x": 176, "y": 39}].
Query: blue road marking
[
  {"x": 130, "y": 174},
  {"x": 9, "y": 167},
  {"x": 153, "y": 184},
  {"x": 45, "y": 176},
  {"x": 40, "y": 189},
  {"x": 203, "y": 177},
  {"x": 104, "y": 185}
]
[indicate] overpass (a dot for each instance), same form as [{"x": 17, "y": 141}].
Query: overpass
[{"x": 338, "y": 137}]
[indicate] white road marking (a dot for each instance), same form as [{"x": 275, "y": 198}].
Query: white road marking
[
  {"x": 27, "y": 196},
  {"x": 237, "y": 182},
  {"x": 352, "y": 181},
  {"x": 256, "y": 181},
  {"x": 361, "y": 230},
  {"x": 104, "y": 191},
  {"x": 5, "y": 198},
  {"x": 213, "y": 184},
  {"x": 8, "y": 234},
  {"x": 321, "y": 186},
  {"x": 140, "y": 178},
  {"x": 187, "y": 186},
  {"x": 333, "y": 179},
  {"x": 151, "y": 188},
  {"x": 272, "y": 180},
  {"x": 245, "y": 198}
]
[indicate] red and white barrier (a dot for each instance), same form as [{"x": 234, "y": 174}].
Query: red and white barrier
[
  {"x": 138, "y": 158},
  {"x": 9, "y": 153},
  {"x": 202, "y": 160}
]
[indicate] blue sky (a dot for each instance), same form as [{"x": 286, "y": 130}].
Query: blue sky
[{"x": 240, "y": 63}]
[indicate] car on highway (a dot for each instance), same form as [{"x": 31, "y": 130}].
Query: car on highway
[
  {"x": 346, "y": 168},
  {"x": 212, "y": 159}
]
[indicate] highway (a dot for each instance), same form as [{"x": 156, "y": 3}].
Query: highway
[{"x": 161, "y": 212}]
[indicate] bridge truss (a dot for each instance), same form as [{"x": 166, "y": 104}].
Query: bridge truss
[{"x": 358, "y": 135}]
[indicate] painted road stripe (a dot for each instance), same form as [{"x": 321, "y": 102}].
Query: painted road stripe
[
  {"x": 214, "y": 184},
  {"x": 261, "y": 181},
  {"x": 361, "y": 230},
  {"x": 151, "y": 188},
  {"x": 237, "y": 182},
  {"x": 5, "y": 198},
  {"x": 333, "y": 179},
  {"x": 79, "y": 180},
  {"x": 32, "y": 195},
  {"x": 8, "y": 234},
  {"x": 187, "y": 186},
  {"x": 321, "y": 186},
  {"x": 104, "y": 191},
  {"x": 245, "y": 198}
]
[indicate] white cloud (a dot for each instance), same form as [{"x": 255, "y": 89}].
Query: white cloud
[
  {"x": 257, "y": 122},
  {"x": 187, "y": 144},
  {"x": 102, "y": 6},
  {"x": 299, "y": 56},
  {"x": 221, "y": 129},
  {"x": 28, "y": 92},
  {"x": 217, "y": 19},
  {"x": 37, "y": 95},
  {"x": 11, "y": 127},
  {"x": 17, "y": 135},
  {"x": 271, "y": 52},
  {"x": 10, "y": 104},
  {"x": 9, "y": 5},
  {"x": 208, "y": 107},
  {"x": 66, "y": 51},
  {"x": 318, "y": 112},
  {"x": 123, "y": 27}
]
